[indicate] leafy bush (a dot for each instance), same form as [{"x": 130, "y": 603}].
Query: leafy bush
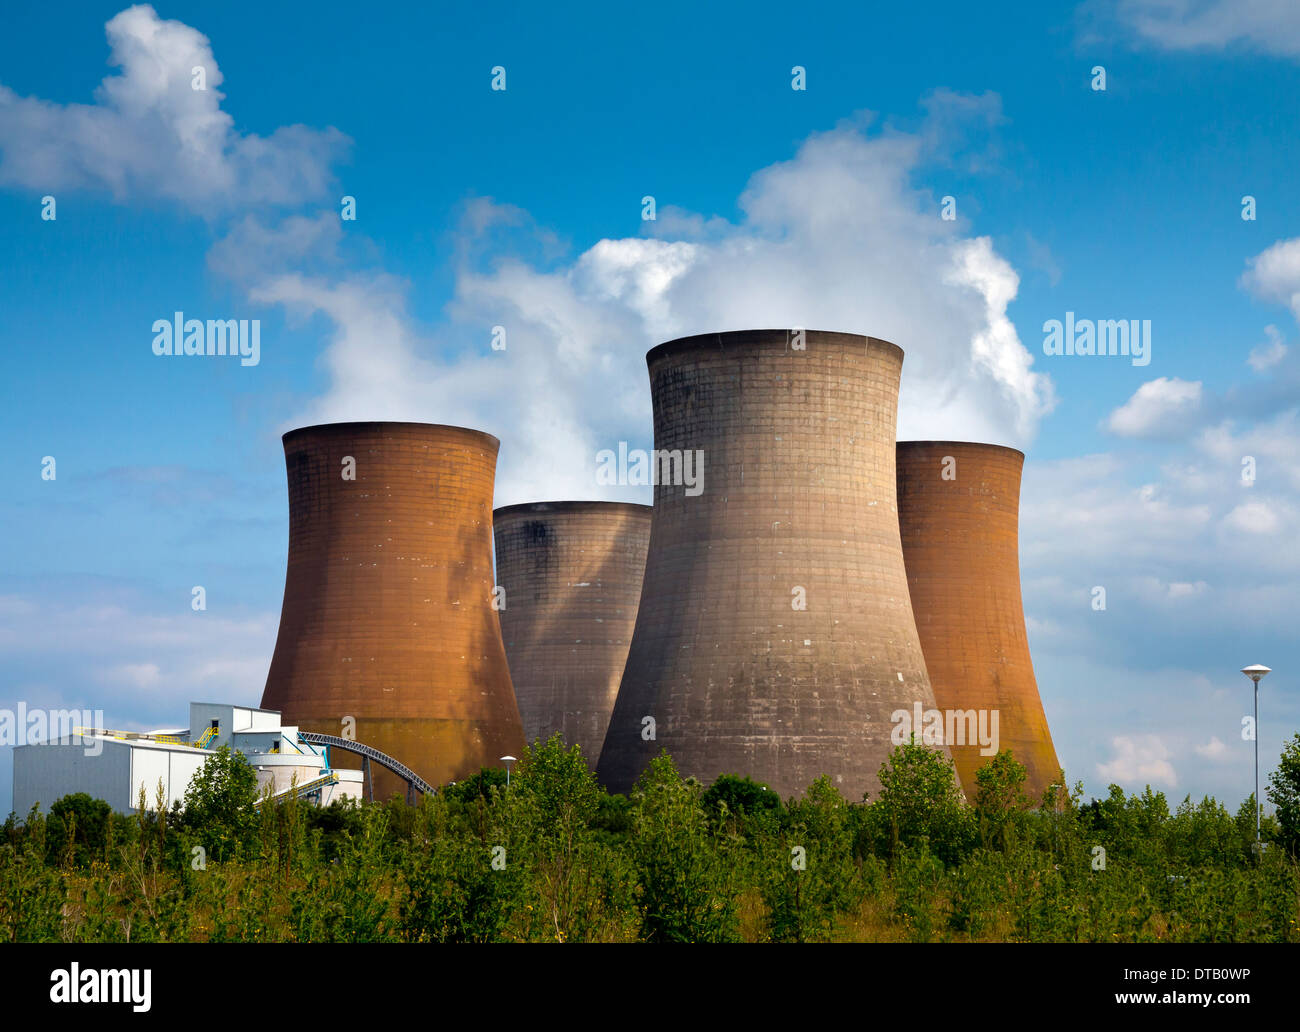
[
  {"x": 739, "y": 796},
  {"x": 553, "y": 857},
  {"x": 220, "y": 804},
  {"x": 919, "y": 801},
  {"x": 685, "y": 868},
  {"x": 77, "y": 830}
]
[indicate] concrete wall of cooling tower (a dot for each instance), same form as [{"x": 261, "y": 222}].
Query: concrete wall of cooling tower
[
  {"x": 571, "y": 574},
  {"x": 959, "y": 511},
  {"x": 775, "y": 635},
  {"x": 387, "y": 615}
]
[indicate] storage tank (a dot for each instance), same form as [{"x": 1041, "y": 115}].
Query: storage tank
[
  {"x": 775, "y": 636},
  {"x": 570, "y": 574},
  {"x": 959, "y": 512},
  {"x": 387, "y": 633}
]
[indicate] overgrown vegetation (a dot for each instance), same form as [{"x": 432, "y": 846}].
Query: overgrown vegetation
[{"x": 554, "y": 858}]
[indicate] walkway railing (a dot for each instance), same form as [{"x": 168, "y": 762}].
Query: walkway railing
[{"x": 412, "y": 779}]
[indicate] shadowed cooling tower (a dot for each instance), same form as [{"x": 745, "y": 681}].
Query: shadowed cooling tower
[
  {"x": 775, "y": 636},
  {"x": 959, "y": 511},
  {"x": 387, "y": 614},
  {"x": 572, "y": 578}
]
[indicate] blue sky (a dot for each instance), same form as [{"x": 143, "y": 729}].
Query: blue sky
[{"x": 523, "y": 208}]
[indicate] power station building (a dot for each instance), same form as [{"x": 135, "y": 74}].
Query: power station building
[
  {"x": 959, "y": 514},
  {"x": 116, "y": 766},
  {"x": 387, "y": 633},
  {"x": 570, "y": 576},
  {"x": 775, "y": 635}
]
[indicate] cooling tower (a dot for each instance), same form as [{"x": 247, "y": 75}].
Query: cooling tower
[
  {"x": 387, "y": 615},
  {"x": 775, "y": 636},
  {"x": 959, "y": 511},
  {"x": 571, "y": 574}
]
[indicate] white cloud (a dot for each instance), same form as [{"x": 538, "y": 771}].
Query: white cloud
[
  {"x": 1274, "y": 444},
  {"x": 253, "y": 251},
  {"x": 1213, "y": 749},
  {"x": 1274, "y": 273},
  {"x": 1265, "y": 356},
  {"x": 1177, "y": 544},
  {"x": 150, "y": 135},
  {"x": 1160, "y": 406},
  {"x": 1139, "y": 760},
  {"x": 840, "y": 236},
  {"x": 1253, "y": 518},
  {"x": 1038, "y": 628},
  {"x": 1266, "y": 26},
  {"x": 996, "y": 347},
  {"x": 1156, "y": 591},
  {"x": 834, "y": 238},
  {"x": 1080, "y": 514}
]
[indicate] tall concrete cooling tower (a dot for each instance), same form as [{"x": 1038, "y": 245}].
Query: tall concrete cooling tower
[
  {"x": 775, "y": 636},
  {"x": 571, "y": 572},
  {"x": 959, "y": 510},
  {"x": 387, "y": 614}
]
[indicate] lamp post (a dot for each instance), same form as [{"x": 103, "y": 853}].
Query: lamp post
[
  {"x": 1255, "y": 672},
  {"x": 507, "y": 760}
]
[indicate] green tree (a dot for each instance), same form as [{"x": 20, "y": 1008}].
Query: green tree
[
  {"x": 917, "y": 877},
  {"x": 577, "y": 886},
  {"x": 477, "y": 786},
  {"x": 1284, "y": 793},
  {"x": 32, "y": 896},
  {"x": 1269, "y": 829},
  {"x": 1000, "y": 801},
  {"x": 739, "y": 795},
  {"x": 349, "y": 900},
  {"x": 221, "y": 804},
  {"x": 919, "y": 799},
  {"x": 77, "y": 828},
  {"x": 334, "y": 825},
  {"x": 1201, "y": 833},
  {"x": 685, "y": 869},
  {"x": 1129, "y": 827},
  {"x": 613, "y": 821},
  {"x": 808, "y": 874},
  {"x": 453, "y": 891}
]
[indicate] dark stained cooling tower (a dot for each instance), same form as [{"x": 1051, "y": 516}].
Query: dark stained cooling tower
[
  {"x": 387, "y": 614},
  {"x": 571, "y": 574},
  {"x": 796, "y": 508},
  {"x": 959, "y": 510}
]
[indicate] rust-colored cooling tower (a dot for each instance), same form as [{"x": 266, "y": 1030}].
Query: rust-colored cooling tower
[
  {"x": 959, "y": 510},
  {"x": 775, "y": 636},
  {"x": 571, "y": 572},
  {"x": 387, "y": 614}
]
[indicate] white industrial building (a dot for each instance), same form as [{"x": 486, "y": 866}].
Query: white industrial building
[{"x": 115, "y": 765}]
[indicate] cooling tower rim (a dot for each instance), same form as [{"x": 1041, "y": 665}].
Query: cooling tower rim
[
  {"x": 700, "y": 341},
  {"x": 371, "y": 424},
  {"x": 968, "y": 445},
  {"x": 589, "y": 506}
]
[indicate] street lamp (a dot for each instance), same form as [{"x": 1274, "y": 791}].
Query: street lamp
[
  {"x": 1255, "y": 672},
  {"x": 507, "y": 760}
]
